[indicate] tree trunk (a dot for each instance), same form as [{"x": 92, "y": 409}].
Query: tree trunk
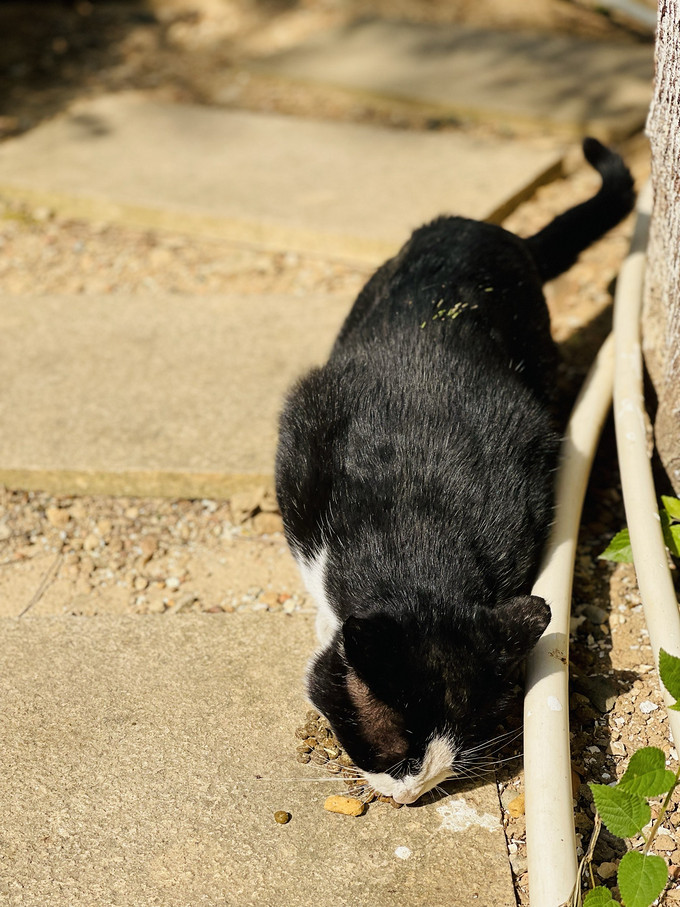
[{"x": 661, "y": 314}]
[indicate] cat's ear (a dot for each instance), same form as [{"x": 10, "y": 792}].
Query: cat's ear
[
  {"x": 520, "y": 623},
  {"x": 373, "y": 644}
]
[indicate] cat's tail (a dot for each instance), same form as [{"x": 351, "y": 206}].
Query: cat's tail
[{"x": 557, "y": 246}]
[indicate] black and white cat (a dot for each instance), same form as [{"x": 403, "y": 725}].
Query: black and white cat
[{"x": 415, "y": 478}]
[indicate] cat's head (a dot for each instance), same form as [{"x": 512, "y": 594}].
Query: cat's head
[{"x": 412, "y": 707}]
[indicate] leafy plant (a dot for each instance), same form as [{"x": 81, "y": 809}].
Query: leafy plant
[
  {"x": 619, "y": 549},
  {"x": 625, "y": 810}
]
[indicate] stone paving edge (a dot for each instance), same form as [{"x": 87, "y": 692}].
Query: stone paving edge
[
  {"x": 134, "y": 483},
  {"x": 267, "y": 236}
]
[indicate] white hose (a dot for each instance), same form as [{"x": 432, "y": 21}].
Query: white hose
[
  {"x": 547, "y": 764},
  {"x": 551, "y": 845},
  {"x": 639, "y": 495}
]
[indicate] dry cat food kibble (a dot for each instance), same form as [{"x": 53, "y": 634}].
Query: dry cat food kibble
[
  {"x": 346, "y": 806},
  {"x": 317, "y": 744}
]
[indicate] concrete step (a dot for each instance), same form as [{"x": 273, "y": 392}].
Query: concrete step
[
  {"x": 337, "y": 189},
  {"x": 143, "y": 759},
  {"x": 565, "y": 84},
  {"x": 158, "y": 395}
]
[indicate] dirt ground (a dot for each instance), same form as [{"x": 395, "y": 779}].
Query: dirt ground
[{"x": 92, "y": 556}]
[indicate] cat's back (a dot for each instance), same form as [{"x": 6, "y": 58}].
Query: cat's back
[
  {"x": 460, "y": 295},
  {"x": 430, "y": 413}
]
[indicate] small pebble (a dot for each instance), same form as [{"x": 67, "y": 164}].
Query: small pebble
[
  {"x": 595, "y": 615},
  {"x": 148, "y": 546},
  {"x": 57, "y": 517},
  {"x": 664, "y": 842},
  {"x": 104, "y": 527},
  {"x": 91, "y": 542},
  {"x": 606, "y": 870},
  {"x": 282, "y": 817}
]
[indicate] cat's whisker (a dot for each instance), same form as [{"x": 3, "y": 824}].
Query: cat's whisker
[
  {"x": 473, "y": 776},
  {"x": 500, "y": 740},
  {"x": 460, "y": 769},
  {"x": 361, "y": 793},
  {"x": 481, "y": 772},
  {"x": 395, "y": 767},
  {"x": 329, "y": 777},
  {"x": 509, "y": 733},
  {"x": 477, "y": 771},
  {"x": 507, "y": 759},
  {"x": 479, "y": 759},
  {"x": 491, "y": 759},
  {"x": 469, "y": 775},
  {"x": 367, "y": 795},
  {"x": 462, "y": 776}
]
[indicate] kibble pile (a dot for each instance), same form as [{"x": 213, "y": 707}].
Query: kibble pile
[{"x": 318, "y": 745}]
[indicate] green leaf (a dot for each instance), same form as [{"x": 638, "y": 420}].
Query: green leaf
[
  {"x": 625, "y": 814},
  {"x": 600, "y": 897},
  {"x": 647, "y": 774},
  {"x": 641, "y": 878},
  {"x": 673, "y": 540},
  {"x": 671, "y": 534},
  {"x": 669, "y": 669},
  {"x": 671, "y": 506},
  {"x": 619, "y": 549}
]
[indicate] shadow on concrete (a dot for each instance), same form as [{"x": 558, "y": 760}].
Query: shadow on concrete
[{"x": 55, "y": 52}]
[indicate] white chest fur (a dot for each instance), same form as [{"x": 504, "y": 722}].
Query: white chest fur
[{"x": 313, "y": 572}]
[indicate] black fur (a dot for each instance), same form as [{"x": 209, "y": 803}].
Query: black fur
[{"x": 421, "y": 457}]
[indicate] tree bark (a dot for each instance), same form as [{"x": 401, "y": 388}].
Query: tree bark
[{"x": 661, "y": 312}]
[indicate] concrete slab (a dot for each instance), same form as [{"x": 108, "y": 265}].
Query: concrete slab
[
  {"x": 172, "y": 396},
  {"x": 337, "y": 189},
  {"x": 563, "y": 83},
  {"x": 142, "y": 761}
]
